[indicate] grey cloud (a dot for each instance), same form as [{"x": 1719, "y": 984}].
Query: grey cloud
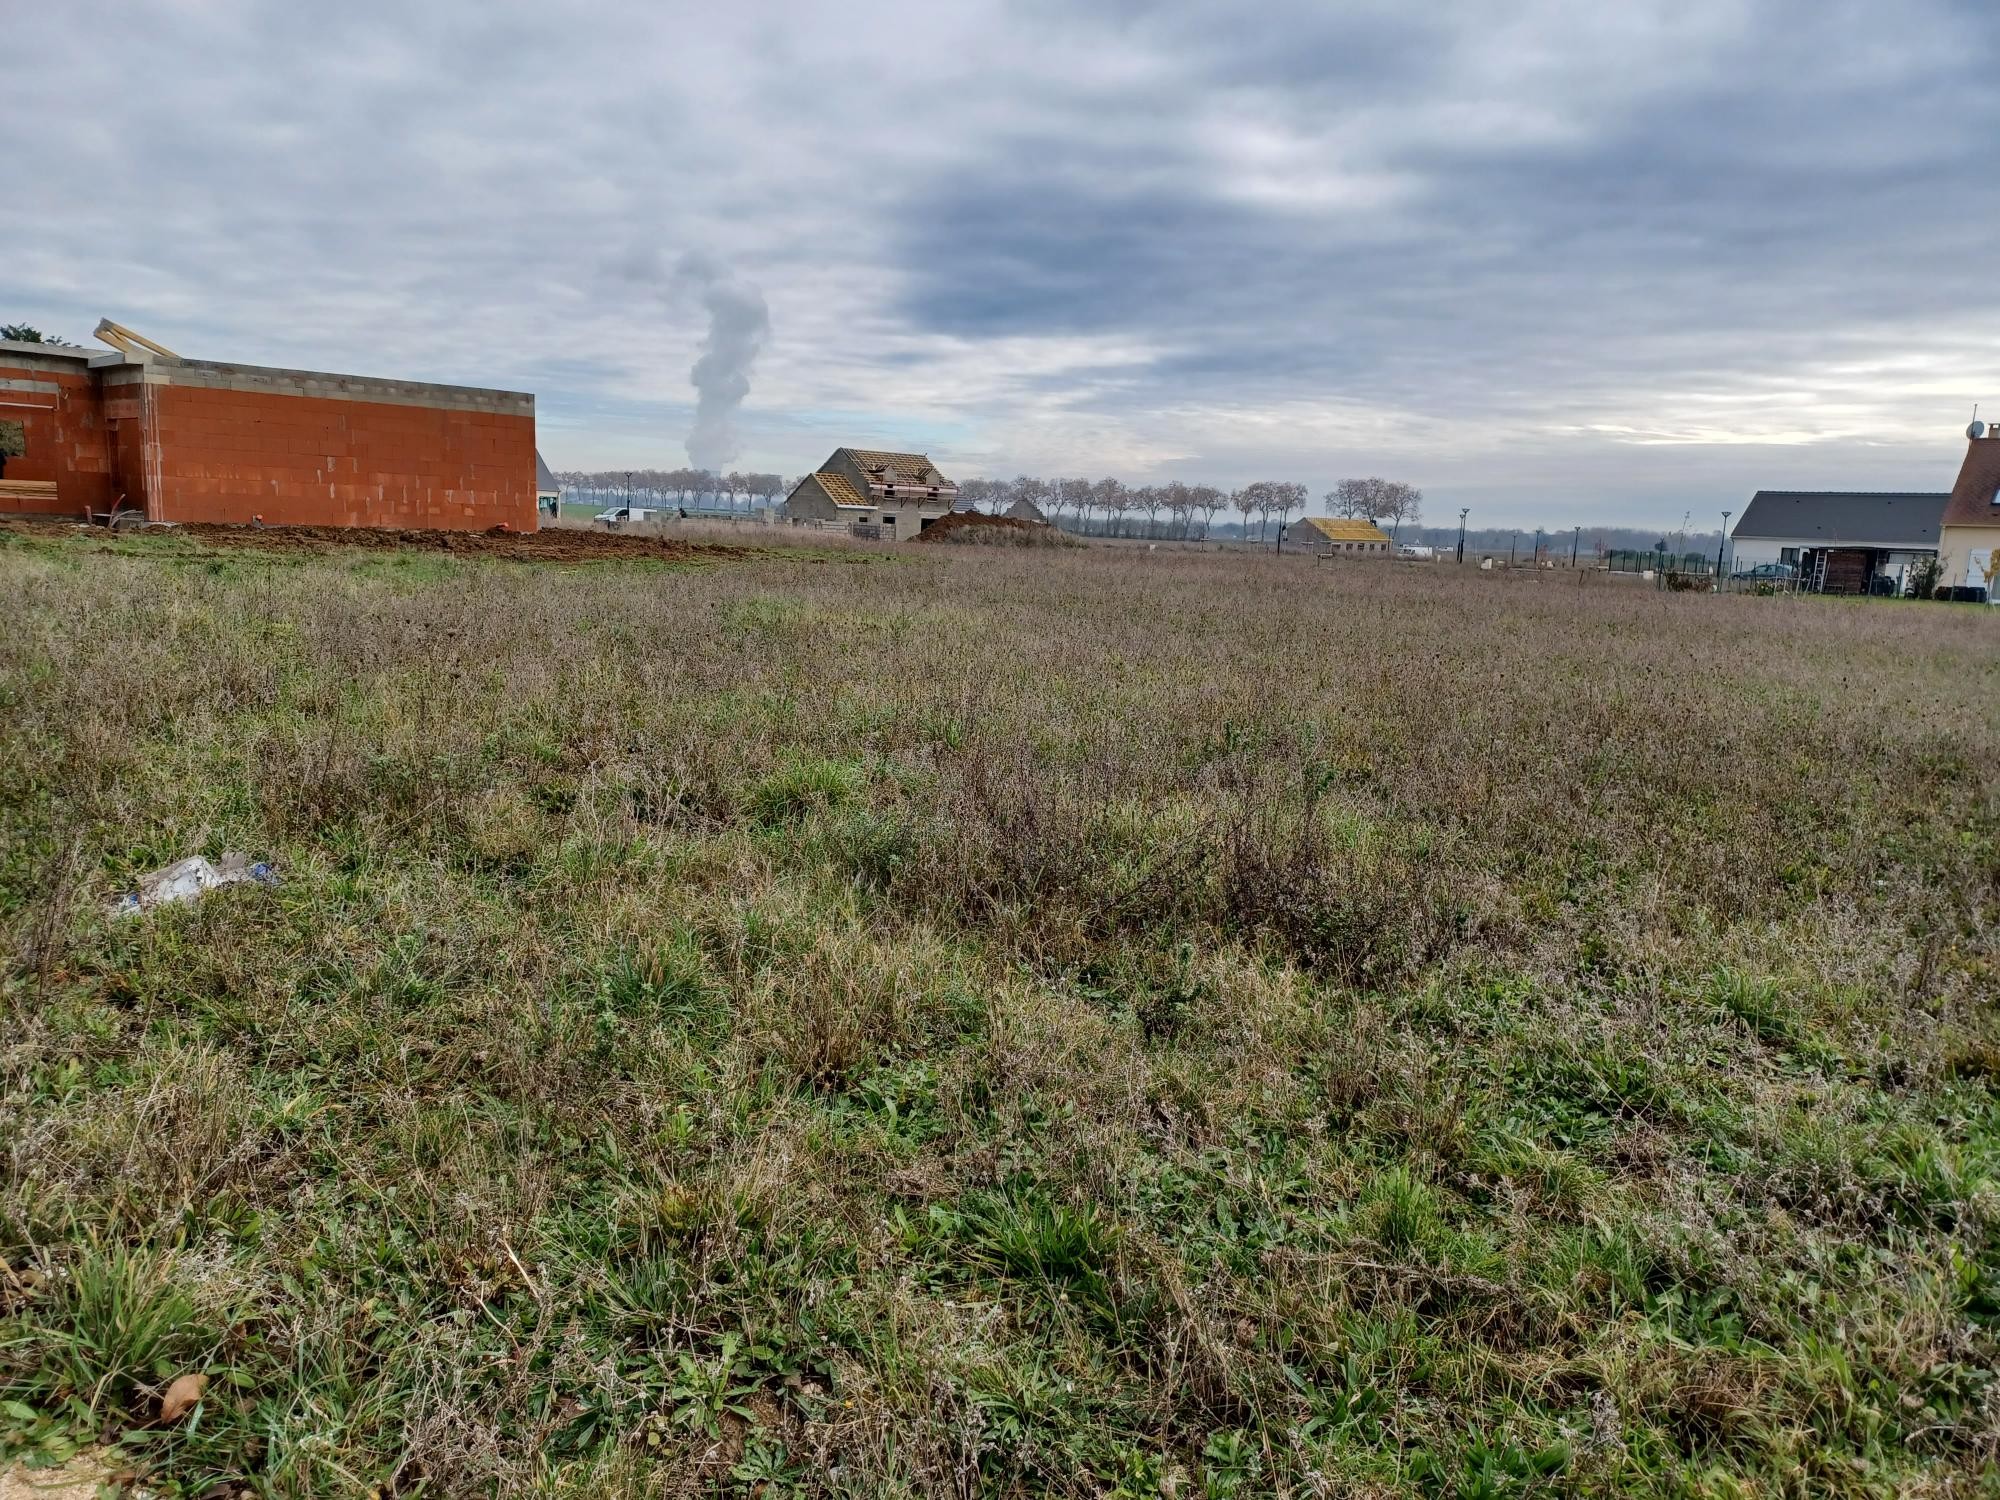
[
  {"x": 1759, "y": 213},
  {"x": 1474, "y": 245}
]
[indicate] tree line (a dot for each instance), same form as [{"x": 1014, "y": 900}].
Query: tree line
[
  {"x": 1106, "y": 506},
  {"x": 1111, "y": 502},
  {"x": 652, "y": 487}
]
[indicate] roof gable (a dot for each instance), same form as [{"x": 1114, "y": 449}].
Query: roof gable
[
  {"x": 1830, "y": 517},
  {"x": 1972, "y": 501},
  {"x": 839, "y": 491},
  {"x": 892, "y": 468}
]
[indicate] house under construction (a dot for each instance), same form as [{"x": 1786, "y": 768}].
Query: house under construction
[
  {"x": 900, "y": 493},
  {"x": 135, "y": 429}
]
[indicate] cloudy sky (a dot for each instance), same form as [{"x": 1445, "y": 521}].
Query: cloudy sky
[{"x": 1559, "y": 260}]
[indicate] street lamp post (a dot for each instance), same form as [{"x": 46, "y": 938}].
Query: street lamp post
[
  {"x": 1463, "y": 511},
  {"x": 1720, "y": 544},
  {"x": 1512, "y": 538},
  {"x": 1575, "y": 542}
]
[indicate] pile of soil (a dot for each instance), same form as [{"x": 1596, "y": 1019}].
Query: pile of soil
[
  {"x": 557, "y": 544},
  {"x": 972, "y": 526}
]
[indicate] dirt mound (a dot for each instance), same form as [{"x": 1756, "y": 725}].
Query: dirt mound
[
  {"x": 972, "y": 526},
  {"x": 557, "y": 544}
]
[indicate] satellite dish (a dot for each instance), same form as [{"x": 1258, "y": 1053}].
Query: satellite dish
[{"x": 1977, "y": 429}]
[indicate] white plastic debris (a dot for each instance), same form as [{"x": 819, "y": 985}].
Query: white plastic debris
[{"x": 187, "y": 879}]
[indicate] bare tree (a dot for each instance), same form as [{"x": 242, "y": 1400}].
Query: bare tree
[
  {"x": 1286, "y": 497},
  {"x": 1208, "y": 500},
  {"x": 1148, "y": 498},
  {"x": 1259, "y": 499},
  {"x": 1376, "y": 500},
  {"x": 1359, "y": 499},
  {"x": 1086, "y": 497},
  {"x": 1129, "y": 500},
  {"x": 1247, "y": 503},
  {"x": 1407, "y": 507}
]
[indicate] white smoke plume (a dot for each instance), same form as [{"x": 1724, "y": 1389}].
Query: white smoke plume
[{"x": 738, "y": 324}]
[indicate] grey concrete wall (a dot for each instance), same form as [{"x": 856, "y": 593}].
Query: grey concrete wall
[
  {"x": 266, "y": 380},
  {"x": 808, "y": 502},
  {"x": 17, "y": 355}
]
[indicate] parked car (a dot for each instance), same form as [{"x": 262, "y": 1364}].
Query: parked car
[
  {"x": 1768, "y": 573},
  {"x": 624, "y": 515},
  {"x": 1416, "y": 552}
]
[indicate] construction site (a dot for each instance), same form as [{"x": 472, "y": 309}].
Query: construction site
[{"x": 134, "y": 432}]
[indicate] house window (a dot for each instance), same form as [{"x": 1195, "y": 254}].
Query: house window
[
  {"x": 888, "y": 520},
  {"x": 13, "y": 442},
  {"x": 1789, "y": 555}
]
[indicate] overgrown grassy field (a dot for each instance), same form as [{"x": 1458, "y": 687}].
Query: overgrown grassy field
[{"x": 976, "y": 1021}]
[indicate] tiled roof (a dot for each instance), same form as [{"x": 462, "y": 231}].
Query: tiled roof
[
  {"x": 897, "y": 468},
  {"x": 840, "y": 491},
  {"x": 1860, "y": 518},
  {"x": 1975, "y": 499},
  {"x": 1344, "y": 529}
]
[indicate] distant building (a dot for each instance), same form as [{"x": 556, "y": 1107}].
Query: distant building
[
  {"x": 1340, "y": 536},
  {"x": 901, "y": 493},
  {"x": 1841, "y": 541},
  {"x": 1969, "y": 540},
  {"x": 1026, "y": 510},
  {"x": 548, "y": 494}
]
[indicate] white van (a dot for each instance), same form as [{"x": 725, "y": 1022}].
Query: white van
[{"x": 624, "y": 515}]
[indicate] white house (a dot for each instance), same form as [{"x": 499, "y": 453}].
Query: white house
[
  {"x": 548, "y": 494},
  {"x": 1969, "y": 550},
  {"x": 1841, "y": 541}
]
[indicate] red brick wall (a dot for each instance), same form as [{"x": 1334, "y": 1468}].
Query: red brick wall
[
  {"x": 311, "y": 461},
  {"x": 68, "y": 439}
]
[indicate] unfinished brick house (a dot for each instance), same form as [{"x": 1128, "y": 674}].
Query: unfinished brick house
[
  {"x": 131, "y": 430},
  {"x": 900, "y": 493}
]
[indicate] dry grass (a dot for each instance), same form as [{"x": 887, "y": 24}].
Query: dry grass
[{"x": 1085, "y": 1022}]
